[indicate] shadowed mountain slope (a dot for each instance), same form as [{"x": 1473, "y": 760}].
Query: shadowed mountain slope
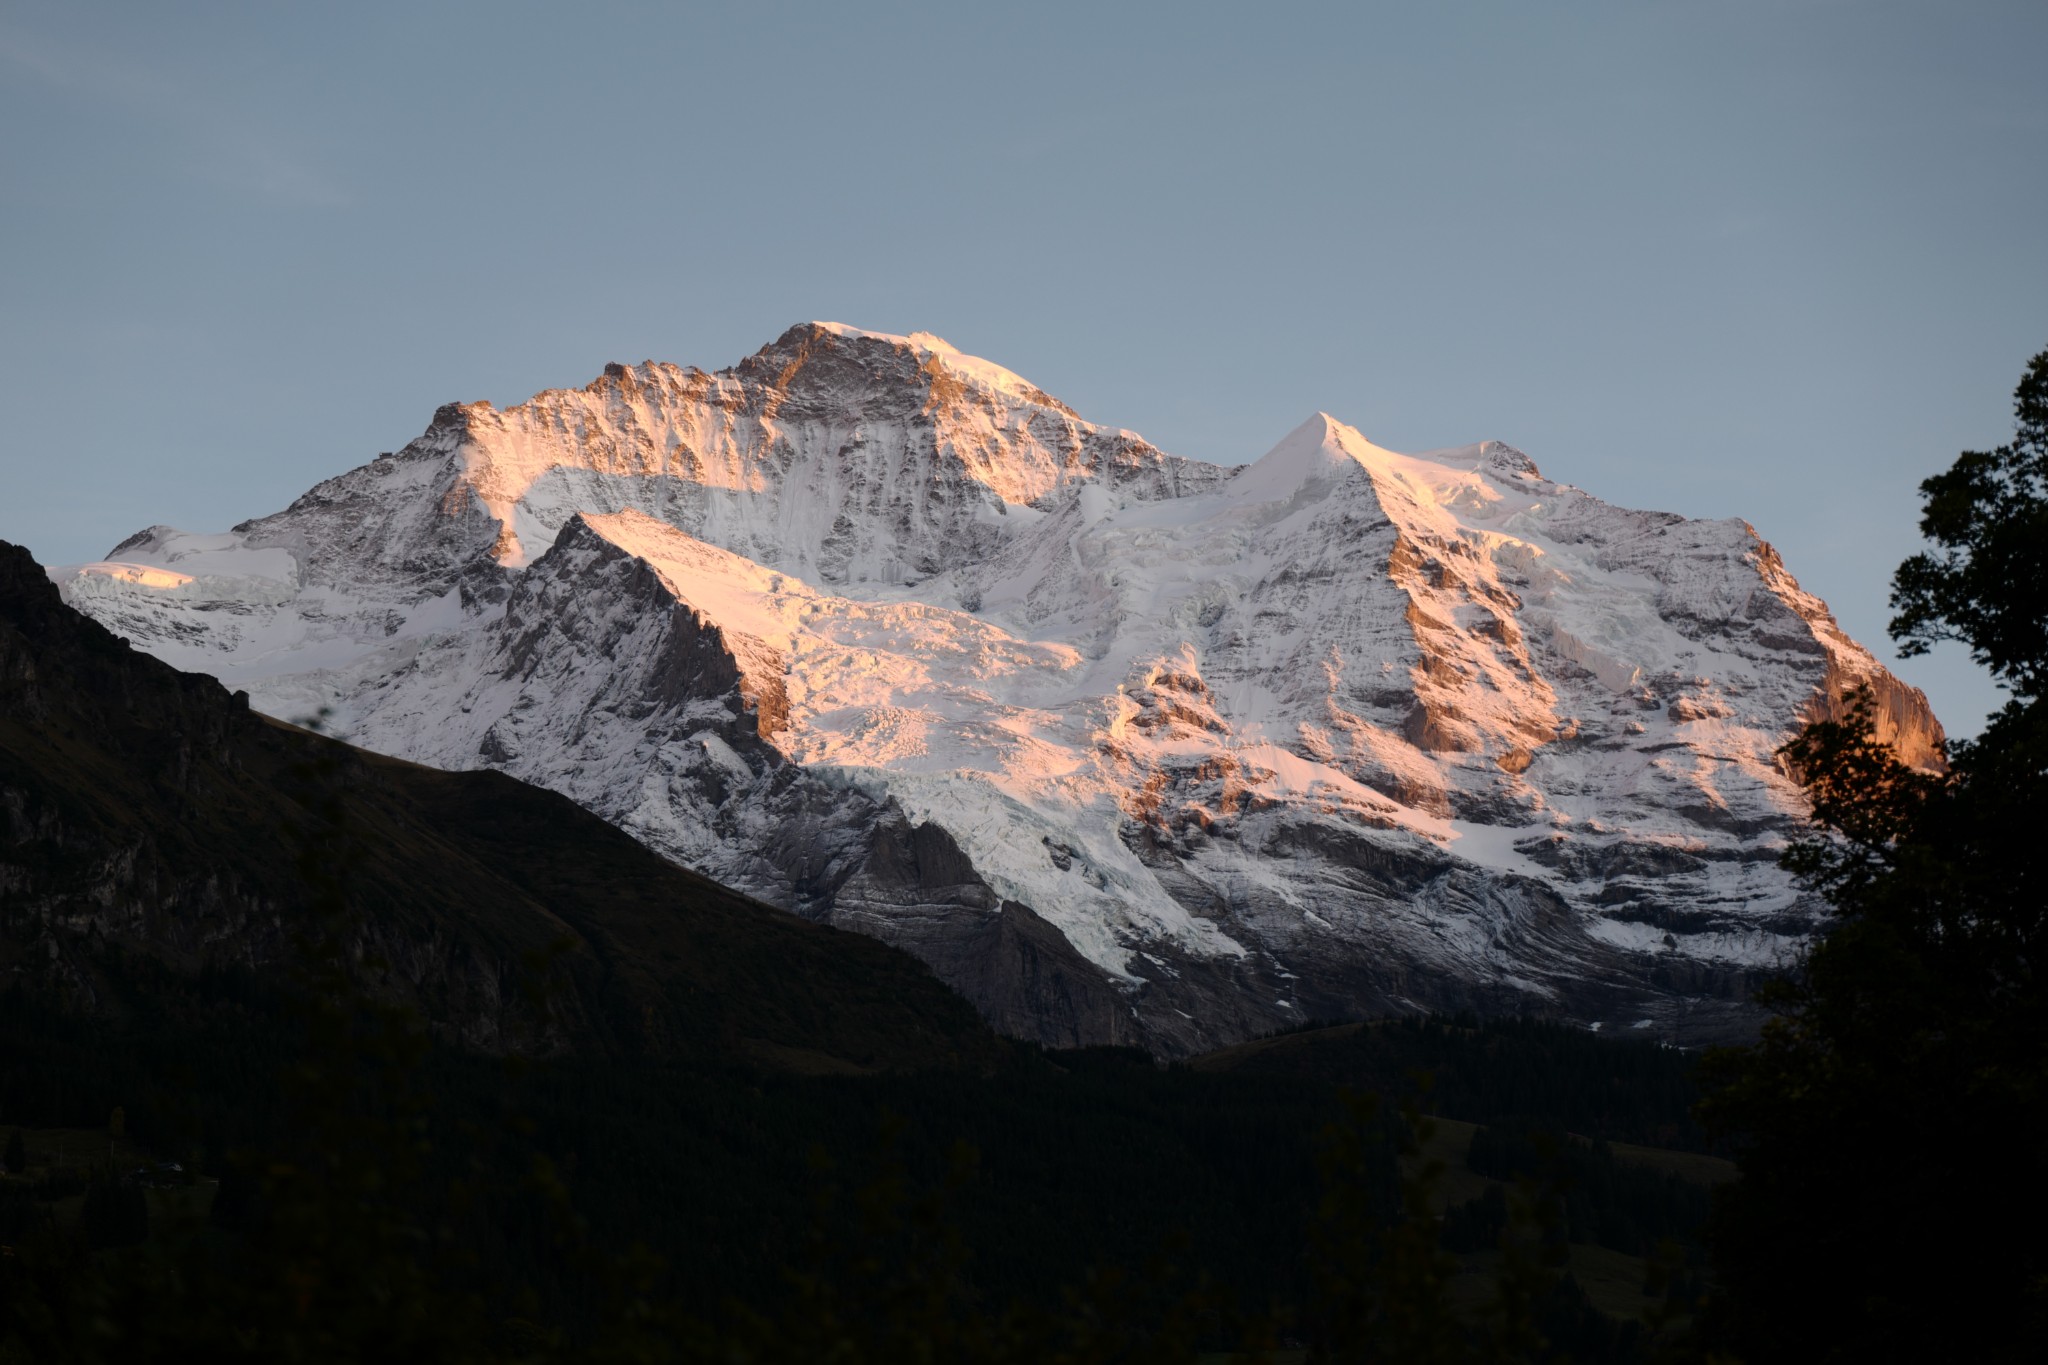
[{"x": 150, "y": 811}]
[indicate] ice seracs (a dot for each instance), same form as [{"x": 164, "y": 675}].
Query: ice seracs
[{"x": 1129, "y": 747}]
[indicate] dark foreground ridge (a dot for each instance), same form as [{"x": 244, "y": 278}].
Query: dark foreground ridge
[{"x": 150, "y": 811}]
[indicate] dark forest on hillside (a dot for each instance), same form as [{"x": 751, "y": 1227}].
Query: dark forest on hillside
[{"x": 1047, "y": 1169}]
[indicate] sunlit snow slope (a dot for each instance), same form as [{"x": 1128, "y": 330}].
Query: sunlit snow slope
[{"x": 1129, "y": 747}]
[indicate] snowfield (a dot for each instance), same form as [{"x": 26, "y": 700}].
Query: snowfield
[{"x": 1128, "y": 747}]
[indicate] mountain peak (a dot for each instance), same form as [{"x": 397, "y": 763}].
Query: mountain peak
[
  {"x": 1170, "y": 725},
  {"x": 894, "y": 457},
  {"x": 932, "y": 354},
  {"x": 1318, "y": 451}
]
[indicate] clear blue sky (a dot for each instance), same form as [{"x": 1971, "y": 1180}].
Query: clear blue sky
[{"x": 1776, "y": 260}]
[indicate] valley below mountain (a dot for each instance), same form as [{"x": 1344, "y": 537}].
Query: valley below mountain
[{"x": 1127, "y": 748}]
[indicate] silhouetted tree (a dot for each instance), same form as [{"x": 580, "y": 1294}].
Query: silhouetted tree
[{"x": 1891, "y": 1114}]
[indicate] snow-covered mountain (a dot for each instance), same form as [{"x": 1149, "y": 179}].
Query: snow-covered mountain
[{"x": 1128, "y": 747}]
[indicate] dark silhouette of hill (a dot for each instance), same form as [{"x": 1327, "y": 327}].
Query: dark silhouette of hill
[
  {"x": 1622, "y": 1089},
  {"x": 148, "y": 811}
]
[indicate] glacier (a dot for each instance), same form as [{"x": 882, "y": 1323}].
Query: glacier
[{"x": 1128, "y": 747}]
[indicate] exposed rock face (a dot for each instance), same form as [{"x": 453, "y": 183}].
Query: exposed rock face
[{"x": 1128, "y": 747}]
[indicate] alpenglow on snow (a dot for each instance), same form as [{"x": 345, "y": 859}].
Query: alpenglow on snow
[{"x": 1127, "y": 747}]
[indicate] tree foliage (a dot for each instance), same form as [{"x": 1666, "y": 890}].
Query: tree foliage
[
  {"x": 1986, "y": 583},
  {"x": 1891, "y": 1114}
]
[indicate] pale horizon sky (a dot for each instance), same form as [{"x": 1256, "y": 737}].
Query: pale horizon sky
[{"x": 1761, "y": 258}]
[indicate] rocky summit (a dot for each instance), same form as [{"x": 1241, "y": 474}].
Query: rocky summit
[{"x": 1129, "y": 748}]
